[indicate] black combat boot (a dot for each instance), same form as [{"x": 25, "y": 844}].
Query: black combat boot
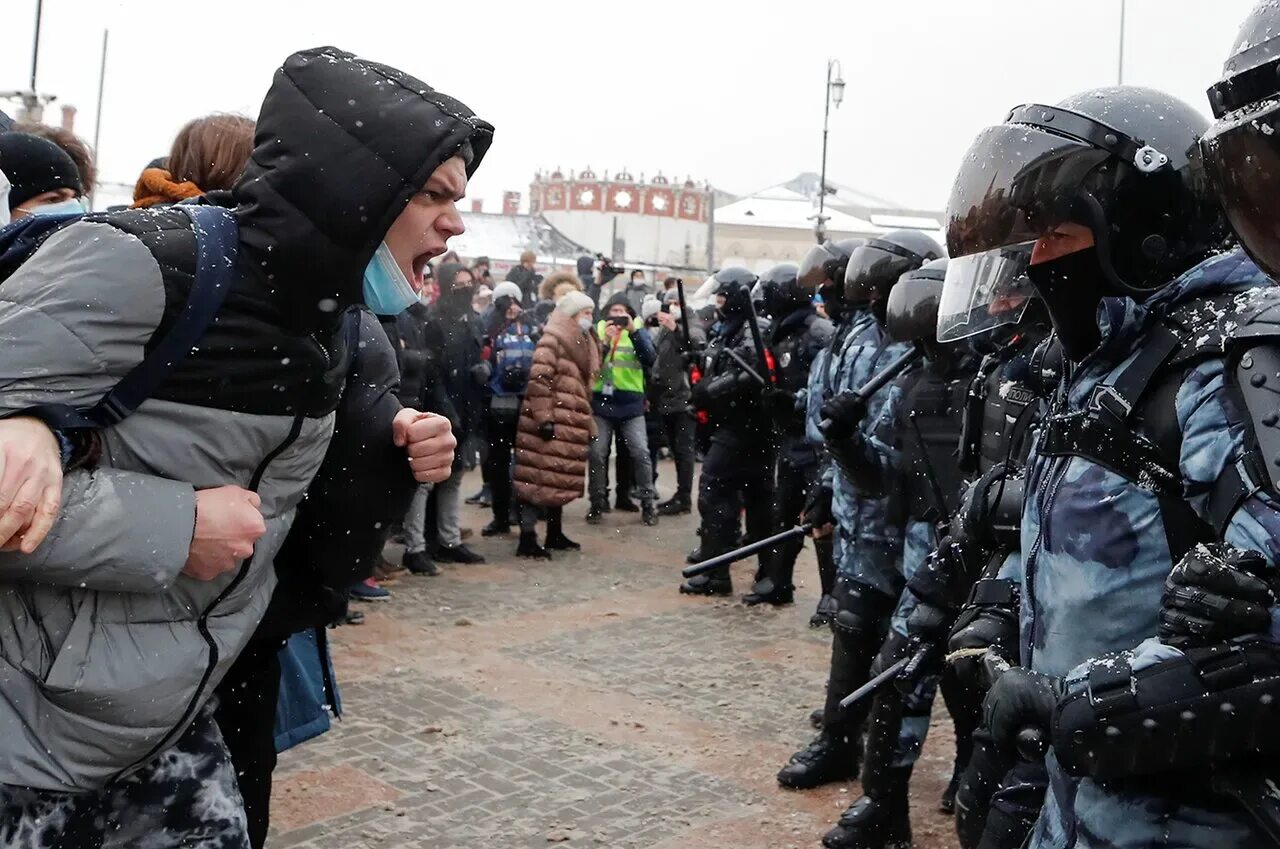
[
  {"x": 879, "y": 820},
  {"x": 529, "y": 547},
  {"x": 836, "y": 753},
  {"x": 765, "y": 591},
  {"x": 712, "y": 583}
]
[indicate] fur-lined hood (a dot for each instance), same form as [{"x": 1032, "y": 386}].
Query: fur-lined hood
[{"x": 554, "y": 279}]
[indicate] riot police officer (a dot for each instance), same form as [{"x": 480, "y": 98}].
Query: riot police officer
[
  {"x": 797, "y": 336},
  {"x": 1154, "y": 445},
  {"x": 737, "y": 471},
  {"x": 909, "y": 451},
  {"x": 868, "y": 537},
  {"x": 822, "y": 273}
]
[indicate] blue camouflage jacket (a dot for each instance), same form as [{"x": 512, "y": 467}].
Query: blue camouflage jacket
[
  {"x": 869, "y": 545},
  {"x": 1096, "y": 557}
]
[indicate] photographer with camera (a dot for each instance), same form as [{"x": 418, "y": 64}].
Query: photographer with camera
[
  {"x": 669, "y": 394},
  {"x": 504, "y": 371},
  {"x": 618, "y": 401}
]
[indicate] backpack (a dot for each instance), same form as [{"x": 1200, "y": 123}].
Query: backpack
[{"x": 217, "y": 240}]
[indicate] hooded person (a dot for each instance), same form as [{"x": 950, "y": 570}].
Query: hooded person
[
  {"x": 556, "y": 425},
  {"x": 44, "y": 178},
  {"x": 153, "y": 546}
]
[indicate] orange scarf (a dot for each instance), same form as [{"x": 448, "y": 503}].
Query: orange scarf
[{"x": 156, "y": 186}]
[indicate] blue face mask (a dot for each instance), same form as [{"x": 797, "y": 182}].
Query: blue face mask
[
  {"x": 72, "y": 206},
  {"x": 386, "y": 291}
]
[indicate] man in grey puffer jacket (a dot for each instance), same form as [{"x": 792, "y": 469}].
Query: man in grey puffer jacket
[{"x": 114, "y": 632}]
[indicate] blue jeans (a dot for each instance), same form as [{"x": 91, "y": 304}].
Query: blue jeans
[{"x": 635, "y": 437}]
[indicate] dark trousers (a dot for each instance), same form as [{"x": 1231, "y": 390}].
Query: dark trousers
[
  {"x": 735, "y": 476},
  {"x": 999, "y": 798},
  {"x": 246, "y": 715},
  {"x": 792, "y": 488},
  {"x": 501, "y": 433},
  {"x": 678, "y": 429},
  {"x": 622, "y": 468}
]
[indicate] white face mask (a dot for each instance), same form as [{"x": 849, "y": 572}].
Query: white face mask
[
  {"x": 71, "y": 206},
  {"x": 674, "y": 311},
  {"x": 4, "y": 199},
  {"x": 585, "y": 324}
]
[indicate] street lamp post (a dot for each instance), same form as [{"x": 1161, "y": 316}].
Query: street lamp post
[{"x": 834, "y": 94}]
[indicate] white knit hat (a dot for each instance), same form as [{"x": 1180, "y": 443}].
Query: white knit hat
[
  {"x": 649, "y": 307},
  {"x": 574, "y": 302},
  {"x": 508, "y": 289}
]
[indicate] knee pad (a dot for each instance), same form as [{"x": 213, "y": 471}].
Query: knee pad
[{"x": 859, "y": 608}]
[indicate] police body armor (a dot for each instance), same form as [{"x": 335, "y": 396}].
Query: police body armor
[
  {"x": 728, "y": 392},
  {"x": 794, "y": 354},
  {"x": 930, "y": 425}
]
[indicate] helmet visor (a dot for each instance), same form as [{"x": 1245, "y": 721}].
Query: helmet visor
[
  {"x": 984, "y": 291},
  {"x": 1018, "y": 182},
  {"x": 911, "y": 313},
  {"x": 813, "y": 268},
  {"x": 872, "y": 270},
  {"x": 1242, "y": 161}
]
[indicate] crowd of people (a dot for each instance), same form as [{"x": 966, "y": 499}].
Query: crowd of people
[{"x": 1038, "y": 468}]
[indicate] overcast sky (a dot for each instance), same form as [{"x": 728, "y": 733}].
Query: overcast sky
[{"x": 727, "y": 92}]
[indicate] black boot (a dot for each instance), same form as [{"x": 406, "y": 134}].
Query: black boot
[
  {"x": 694, "y": 556},
  {"x": 648, "y": 514},
  {"x": 678, "y": 505},
  {"x": 495, "y": 529},
  {"x": 420, "y": 563},
  {"x": 879, "y": 820},
  {"x": 529, "y": 547},
  {"x": 712, "y": 583},
  {"x": 557, "y": 541},
  {"x": 765, "y": 592},
  {"x": 624, "y": 504},
  {"x": 815, "y": 718},
  {"x": 836, "y": 753}
]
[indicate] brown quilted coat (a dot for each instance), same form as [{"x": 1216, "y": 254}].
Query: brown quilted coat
[{"x": 553, "y": 472}]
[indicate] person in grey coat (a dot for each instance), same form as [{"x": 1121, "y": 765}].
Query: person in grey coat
[{"x": 118, "y": 625}]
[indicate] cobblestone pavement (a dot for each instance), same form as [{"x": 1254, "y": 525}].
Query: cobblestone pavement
[{"x": 580, "y": 702}]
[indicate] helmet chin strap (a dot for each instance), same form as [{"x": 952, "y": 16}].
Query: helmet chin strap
[{"x": 1097, "y": 224}]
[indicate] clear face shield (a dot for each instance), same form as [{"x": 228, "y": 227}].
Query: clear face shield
[{"x": 984, "y": 291}]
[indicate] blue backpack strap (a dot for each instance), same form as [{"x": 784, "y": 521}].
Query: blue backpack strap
[{"x": 217, "y": 240}]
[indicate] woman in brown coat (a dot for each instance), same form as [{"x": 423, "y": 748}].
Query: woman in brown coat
[{"x": 555, "y": 427}]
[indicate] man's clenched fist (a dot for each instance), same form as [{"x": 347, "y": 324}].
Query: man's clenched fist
[
  {"x": 428, "y": 440},
  {"x": 228, "y": 522}
]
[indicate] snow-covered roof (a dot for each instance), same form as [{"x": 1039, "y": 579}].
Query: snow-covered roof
[
  {"x": 794, "y": 206},
  {"x": 503, "y": 238}
]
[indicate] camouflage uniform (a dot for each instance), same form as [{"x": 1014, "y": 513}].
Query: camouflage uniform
[
  {"x": 1096, "y": 557},
  {"x": 187, "y": 797},
  {"x": 869, "y": 540}
]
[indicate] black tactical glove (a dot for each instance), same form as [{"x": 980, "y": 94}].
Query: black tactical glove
[
  {"x": 817, "y": 507},
  {"x": 971, "y": 524},
  {"x": 1020, "y": 700},
  {"x": 993, "y": 628},
  {"x": 547, "y": 430},
  {"x": 927, "y": 628},
  {"x": 1213, "y": 595},
  {"x": 844, "y": 412}
]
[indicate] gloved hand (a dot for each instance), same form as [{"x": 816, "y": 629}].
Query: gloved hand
[
  {"x": 817, "y": 508},
  {"x": 1019, "y": 700},
  {"x": 1214, "y": 594},
  {"x": 481, "y": 372},
  {"x": 988, "y": 627},
  {"x": 971, "y": 524},
  {"x": 844, "y": 412},
  {"x": 547, "y": 430}
]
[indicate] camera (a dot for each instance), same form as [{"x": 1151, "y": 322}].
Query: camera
[{"x": 623, "y": 321}]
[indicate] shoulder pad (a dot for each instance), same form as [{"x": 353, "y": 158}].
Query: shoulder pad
[
  {"x": 1216, "y": 324},
  {"x": 1256, "y": 374}
]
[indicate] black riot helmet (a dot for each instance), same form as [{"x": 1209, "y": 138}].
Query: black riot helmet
[
  {"x": 780, "y": 292},
  {"x": 1120, "y": 162},
  {"x": 822, "y": 271},
  {"x": 875, "y": 267},
  {"x": 1242, "y": 151},
  {"x": 911, "y": 309},
  {"x": 735, "y": 284}
]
